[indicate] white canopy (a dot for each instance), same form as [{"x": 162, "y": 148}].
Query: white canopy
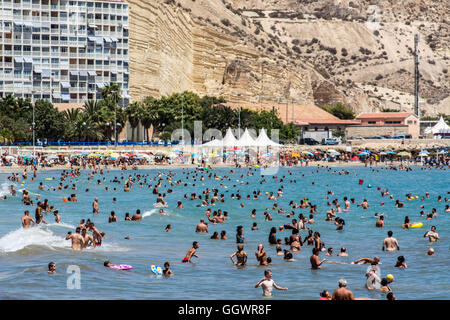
[
  {"x": 229, "y": 140},
  {"x": 438, "y": 127},
  {"x": 246, "y": 140},
  {"x": 216, "y": 143},
  {"x": 264, "y": 141}
]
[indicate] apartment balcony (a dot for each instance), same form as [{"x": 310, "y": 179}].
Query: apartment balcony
[
  {"x": 36, "y": 6},
  {"x": 36, "y": 18}
]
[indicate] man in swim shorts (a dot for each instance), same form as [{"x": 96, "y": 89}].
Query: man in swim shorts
[
  {"x": 191, "y": 253},
  {"x": 95, "y": 206}
]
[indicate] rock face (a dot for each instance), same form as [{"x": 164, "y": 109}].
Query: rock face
[
  {"x": 314, "y": 51},
  {"x": 161, "y": 49}
]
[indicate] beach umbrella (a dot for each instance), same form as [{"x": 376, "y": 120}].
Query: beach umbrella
[
  {"x": 335, "y": 154},
  {"x": 363, "y": 153},
  {"x": 317, "y": 152},
  {"x": 295, "y": 154},
  {"x": 355, "y": 158},
  {"x": 28, "y": 157},
  {"x": 332, "y": 151},
  {"x": 93, "y": 155},
  {"x": 10, "y": 158},
  {"x": 442, "y": 152},
  {"x": 404, "y": 154},
  {"x": 382, "y": 153},
  {"x": 424, "y": 154},
  {"x": 309, "y": 153},
  {"x": 390, "y": 152}
]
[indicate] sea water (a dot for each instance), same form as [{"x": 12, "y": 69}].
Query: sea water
[{"x": 25, "y": 254}]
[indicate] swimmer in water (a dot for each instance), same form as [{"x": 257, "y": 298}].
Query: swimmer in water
[
  {"x": 367, "y": 260},
  {"x": 390, "y": 243},
  {"x": 167, "y": 272},
  {"x": 261, "y": 255},
  {"x": 77, "y": 239},
  {"x": 432, "y": 235},
  {"x": 51, "y": 268},
  {"x": 268, "y": 284},
  {"x": 342, "y": 293},
  {"x": 241, "y": 256},
  {"x": 191, "y": 253},
  {"x": 314, "y": 259},
  {"x": 95, "y": 208},
  {"x": 26, "y": 220}
]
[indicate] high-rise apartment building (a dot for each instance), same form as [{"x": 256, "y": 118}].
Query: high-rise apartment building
[{"x": 64, "y": 51}]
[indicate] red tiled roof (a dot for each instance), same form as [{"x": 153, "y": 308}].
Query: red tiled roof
[
  {"x": 385, "y": 115},
  {"x": 330, "y": 121}
]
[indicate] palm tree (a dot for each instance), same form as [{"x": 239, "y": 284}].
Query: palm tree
[
  {"x": 149, "y": 115},
  {"x": 111, "y": 93},
  {"x": 133, "y": 113},
  {"x": 5, "y": 135}
]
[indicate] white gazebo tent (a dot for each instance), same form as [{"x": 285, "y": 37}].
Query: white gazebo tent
[
  {"x": 229, "y": 141},
  {"x": 264, "y": 141},
  {"x": 246, "y": 140},
  {"x": 438, "y": 127},
  {"x": 216, "y": 143}
]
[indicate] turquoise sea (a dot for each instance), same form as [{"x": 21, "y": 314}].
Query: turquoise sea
[{"x": 24, "y": 254}]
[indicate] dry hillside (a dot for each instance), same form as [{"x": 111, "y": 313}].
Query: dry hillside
[{"x": 314, "y": 51}]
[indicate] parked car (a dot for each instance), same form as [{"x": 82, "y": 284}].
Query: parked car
[
  {"x": 329, "y": 141},
  {"x": 377, "y": 137},
  {"x": 402, "y": 136},
  {"x": 358, "y": 138},
  {"x": 309, "y": 141}
]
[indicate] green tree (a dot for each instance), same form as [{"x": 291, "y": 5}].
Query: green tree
[
  {"x": 49, "y": 121},
  {"x": 341, "y": 111}
]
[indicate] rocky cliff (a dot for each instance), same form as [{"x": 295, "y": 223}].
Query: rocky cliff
[{"x": 314, "y": 51}]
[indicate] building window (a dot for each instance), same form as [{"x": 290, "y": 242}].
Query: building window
[
  {"x": 372, "y": 122},
  {"x": 315, "y": 129}
]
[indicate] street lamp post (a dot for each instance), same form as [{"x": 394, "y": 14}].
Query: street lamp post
[
  {"x": 287, "y": 108},
  {"x": 239, "y": 112},
  {"x": 33, "y": 124},
  {"x": 182, "y": 117},
  {"x": 115, "y": 122}
]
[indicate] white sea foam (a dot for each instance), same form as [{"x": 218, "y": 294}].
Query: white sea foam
[
  {"x": 37, "y": 236},
  {"x": 149, "y": 213},
  {"x": 4, "y": 189},
  {"x": 42, "y": 236}
]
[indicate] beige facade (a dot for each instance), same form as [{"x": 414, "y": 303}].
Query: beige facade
[
  {"x": 385, "y": 123},
  {"x": 371, "y": 131}
]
